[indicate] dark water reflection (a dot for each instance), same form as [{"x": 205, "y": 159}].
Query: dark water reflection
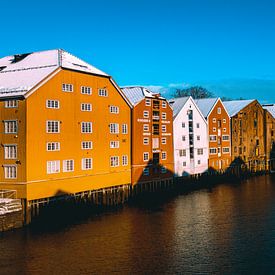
[{"x": 227, "y": 230}]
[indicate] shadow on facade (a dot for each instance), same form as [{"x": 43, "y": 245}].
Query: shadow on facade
[{"x": 272, "y": 158}]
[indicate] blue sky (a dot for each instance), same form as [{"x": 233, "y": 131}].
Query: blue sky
[{"x": 227, "y": 46}]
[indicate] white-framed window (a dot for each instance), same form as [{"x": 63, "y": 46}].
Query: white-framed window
[
  {"x": 145, "y": 141},
  {"x": 184, "y": 163},
  {"x": 85, "y": 145},
  {"x": 114, "y": 109},
  {"x": 102, "y": 92},
  {"x": 225, "y": 137},
  {"x": 224, "y": 120},
  {"x": 11, "y": 103},
  {"x": 68, "y": 165},
  {"x": 86, "y": 90},
  {"x": 214, "y": 120},
  {"x": 163, "y": 170},
  {"x": 224, "y": 129},
  {"x": 199, "y": 162},
  {"x": 10, "y": 126},
  {"x": 200, "y": 151},
  {"x": 114, "y": 128},
  {"x": 146, "y": 114},
  {"x": 163, "y": 116},
  {"x": 10, "y": 171},
  {"x": 114, "y": 144},
  {"x": 86, "y": 107},
  {"x": 214, "y": 129},
  {"x": 198, "y": 125},
  {"x": 52, "y": 104},
  {"x": 219, "y": 110},
  {"x": 87, "y": 164},
  {"x": 212, "y": 138},
  {"x": 164, "y": 104},
  {"x": 124, "y": 129},
  {"x": 163, "y": 140},
  {"x": 198, "y": 138},
  {"x": 183, "y": 138},
  {"x": 124, "y": 160},
  {"x": 163, "y": 155},
  {"x": 212, "y": 151},
  {"x": 114, "y": 161},
  {"x": 10, "y": 151},
  {"x": 86, "y": 127},
  {"x": 67, "y": 87},
  {"x": 147, "y": 102},
  {"x": 53, "y": 146},
  {"x": 53, "y": 126},
  {"x": 145, "y": 127},
  {"x": 145, "y": 156},
  {"x": 53, "y": 166},
  {"x": 183, "y": 124},
  {"x": 163, "y": 128},
  {"x": 182, "y": 152},
  {"x": 146, "y": 171},
  {"x": 225, "y": 149}
]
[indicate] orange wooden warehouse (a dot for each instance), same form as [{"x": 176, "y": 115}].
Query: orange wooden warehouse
[{"x": 65, "y": 126}]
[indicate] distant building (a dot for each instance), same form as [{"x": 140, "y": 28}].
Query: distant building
[
  {"x": 248, "y": 133},
  {"x": 218, "y": 131},
  {"x": 65, "y": 126},
  {"x": 152, "y": 136},
  {"x": 190, "y": 137}
]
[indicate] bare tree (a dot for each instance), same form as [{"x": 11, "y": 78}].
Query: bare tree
[{"x": 195, "y": 92}]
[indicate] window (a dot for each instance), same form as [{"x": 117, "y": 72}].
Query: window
[
  {"x": 199, "y": 162},
  {"x": 155, "y": 143},
  {"x": 164, "y": 104},
  {"x": 155, "y": 129},
  {"x": 212, "y": 138},
  {"x": 114, "y": 161},
  {"x": 53, "y": 146},
  {"x": 145, "y": 156},
  {"x": 146, "y": 114},
  {"x": 68, "y": 165},
  {"x": 163, "y": 140},
  {"x": 163, "y": 170},
  {"x": 86, "y": 107},
  {"x": 86, "y": 90},
  {"x": 87, "y": 163},
  {"x": 198, "y": 125},
  {"x": 11, "y": 104},
  {"x": 53, "y": 126},
  {"x": 86, "y": 127},
  {"x": 200, "y": 151},
  {"x": 124, "y": 129},
  {"x": 183, "y": 138},
  {"x": 163, "y": 128},
  {"x": 224, "y": 129},
  {"x": 52, "y": 104},
  {"x": 146, "y": 141},
  {"x": 184, "y": 163},
  {"x": 183, "y": 124},
  {"x": 10, "y": 171},
  {"x": 182, "y": 153},
  {"x": 102, "y": 92},
  {"x": 198, "y": 138},
  {"x": 212, "y": 151},
  {"x": 114, "y": 128},
  {"x": 224, "y": 120},
  {"x": 214, "y": 129},
  {"x": 124, "y": 160},
  {"x": 219, "y": 110},
  {"x": 10, "y": 151},
  {"x": 225, "y": 149},
  {"x": 145, "y": 127},
  {"x": 214, "y": 120},
  {"x": 163, "y": 116},
  {"x": 10, "y": 126},
  {"x": 147, "y": 102},
  {"x": 114, "y": 109},
  {"x": 53, "y": 166},
  {"x": 86, "y": 145},
  {"x": 114, "y": 144},
  {"x": 225, "y": 137},
  {"x": 146, "y": 171},
  {"x": 67, "y": 87},
  {"x": 163, "y": 155}
]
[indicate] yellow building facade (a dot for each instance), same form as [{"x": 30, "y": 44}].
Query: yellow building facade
[{"x": 67, "y": 132}]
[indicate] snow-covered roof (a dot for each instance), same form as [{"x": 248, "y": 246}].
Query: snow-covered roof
[
  {"x": 20, "y": 73},
  {"x": 270, "y": 108},
  {"x": 177, "y": 104},
  {"x": 206, "y": 104},
  {"x": 137, "y": 93},
  {"x": 235, "y": 106}
]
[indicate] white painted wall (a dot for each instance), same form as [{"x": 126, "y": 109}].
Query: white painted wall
[{"x": 191, "y": 167}]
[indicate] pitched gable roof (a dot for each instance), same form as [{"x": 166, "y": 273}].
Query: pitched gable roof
[
  {"x": 20, "y": 73},
  {"x": 270, "y": 108},
  {"x": 235, "y": 106},
  {"x": 177, "y": 104},
  {"x": 206, "y": 104}
]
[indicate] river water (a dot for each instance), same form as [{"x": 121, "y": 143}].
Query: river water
[{"x": 229, "y": 229}]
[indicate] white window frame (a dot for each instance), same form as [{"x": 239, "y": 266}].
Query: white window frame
[
  {"x": 227, "y": 151},
  {"x": 163, "y": 116},
  {"x": 124, "y": 128},
  {"x": 225, "y": 137},
  {"x": 86, "y": 127},
  {"x": 219, "y": 110},
  {"x": 67, "y": 87},
  {"x": 163, "y": 128},
  {"x": 124, "y": 160},
  {"x": 11, "y": 126},
  {"x": 163, "y": 155},
  {"x": 68, "y": 165},
  {"x": 114, "y": 109},
  {"x": 114, "y": 161},
  {"x": 54, "y": 128},
  {"x": 214, "y": 129},
  {"x": 103, "y": 92},
  {"x": 164, "y": 104},
  {"x": 214, "y": 120},
  {"x": 182, "y": 152},
  {"x": 114, "y": 128},
  {"x": 224, "y": 120},
  {"x": 86, "y": 145},
  {"x": 53, "y": 164},
  {"x": 145, "y": 141},
  {"x": 224, "y": 130},
  {"x": 10, "y": 171},
  {"x": 53, "y": 146},
  {"x": 212, "y": 136},
  {"x": 145, "y": 127},
  {"x": 145, "y": 114},
  {"x": 52, "y": 104},
  {"x": 114, "y": 144},
  {"x": 10, "y": 151},
  {"x": 13, "y": 103},
  {"x": 147, "y": 102},
  {"x": 86, "y": 90},
  {"x": 163, "y": 140},
  {"x": 86, "y": 107},
  {"x": 214, "y": 151},
  {"x": 87, "y": 164},
  {"x": 146, "y": 156}
]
